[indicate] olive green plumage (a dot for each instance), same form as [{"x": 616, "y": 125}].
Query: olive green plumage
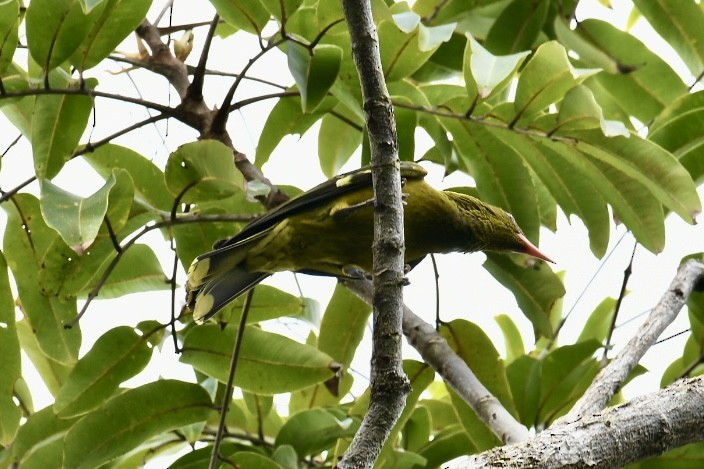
[{"x": 328, "y": 231}]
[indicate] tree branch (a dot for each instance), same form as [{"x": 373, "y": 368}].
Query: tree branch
[
  {"x": 389, "y": 386},
  {"x": 645, "y": 427},
  {"x": 435, "y": 351},
  {"x": 610, "y": 379}
]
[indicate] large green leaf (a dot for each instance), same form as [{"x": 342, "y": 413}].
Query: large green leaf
[
  {"x": 113, "y": 20},
  {"x": 517, "y": 27},
  {"x": 268, "y": 363},
  {"x": 78, "y": 219},
  {"x": 55, "y": 28},
  {"x": 58, "y": 121},
  {"x": 26, "y": 243},
  {"x": 679, "y": 22},
  {"x": 129, "y": 419},
  {"x": 10, "y": 365},
  {"x": 115, "y": 357},
  {"x": 643, "y": 83},
  {"x": 9, "y": 26},
  {"x": 314, "y": 71},
  {"x": 450, "y": 443},
  {"x": 524, "y": 376},
  {"x": 680, "y": 130},
  {"x": 40, "y": 441},
  {"x": 202, "y": 171},
  {"x": 337, "y": 141},
  {"x": 536, "y": 288},
  {"x": 271, "y": 303}
]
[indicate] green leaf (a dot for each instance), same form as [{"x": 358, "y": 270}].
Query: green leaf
[
  {"x": 40, "y": 440},
  {"x": 579, "y": 110},
  {"x": 78, "y": 219},
  {"x": 245, "y": 15},
  {"x": 271, "y": 303},
  {"x": 679, "y": 23},
  {"x": 599, "y": 322},
  {"x": 149, "y": 185},
  {"x": 512, "y": 337},
  {"x": 679, "y": 129},
  {"x": 655, "y": 168},
  {"x": 284, "y": 119},
  {"x": 524, "y": 375},
  {"x": 450, "y": 443},
  {"x": 112, "y": 21},
  {"x": 116, "y": 356},
  {"x": 517, "y": 27},
  {"x": 536, "y": 288},
  {"x": 313, "y": 431},
  {"x": 405, "y": 44},
  {"x": 486, "y": 74},
  {"x": 51, "y": 372},
  {"x": 477, "y": 351},
  {"x": 250, "y": 459},
  {"x": 643, "y": 83},
  {"x": 132, "y": 418},
  {"x": 58, "y": 121},
  {"x": 314, "y": 71},
  {"x": 566, "y": 373},
  {"x": 9, "y": 25},
  {"x": 10, "y": 365},
  {"x": 282, "y": 9},
  {"x": 545, "y": 79},
  {"x": 202, "y": 171},
  {"x": 55, "y": 28},
  {"x": 337, "y": 141},
  {"x": 26, "y": 243},
  {"x": 268, "y": 363},
  {"x": 139, "y": 270}
]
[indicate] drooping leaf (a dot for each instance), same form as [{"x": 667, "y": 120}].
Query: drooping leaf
[
  {"x": 337, "y": 141},
  {"x": 10, "y": 365},
  {"x": 26, "y": 242},
  {"x": 133, "y": 417},
  {"x": 314, "y": 71},
  {"x": 486, "y": 74},
  {"x": 247, "y": 16},
  {"x": 268, "y": 363},
  {"x": 58, "y": 121},
  {"x": 312, "y": 431},
  {"x": 78, "y": 219},
  {"x": 40, "y": 441},
  {"x": 679, "y": 23}
]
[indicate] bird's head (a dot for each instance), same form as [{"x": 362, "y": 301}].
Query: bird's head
[{"x": 492, "y": 228}]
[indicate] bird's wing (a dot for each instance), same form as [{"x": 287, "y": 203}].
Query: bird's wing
[{"x": 321, "y": 193}]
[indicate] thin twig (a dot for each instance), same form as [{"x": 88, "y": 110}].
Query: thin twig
[
  {"x": 227, "y": 396},
  {"x": 626, "y": 276}
]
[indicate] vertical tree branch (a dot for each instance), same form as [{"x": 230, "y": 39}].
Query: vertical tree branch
[{"x": 389, "y": 386}]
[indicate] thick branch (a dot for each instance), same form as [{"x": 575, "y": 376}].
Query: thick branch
[
  {"x": 610, "y": 379},
  {"x": 645, "y": 427},
  {"x": 389, "y": 386},
  {"x": 435, "y": 351}
]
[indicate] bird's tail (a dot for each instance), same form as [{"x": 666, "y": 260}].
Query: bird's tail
[{"x": 218, "y": 277}]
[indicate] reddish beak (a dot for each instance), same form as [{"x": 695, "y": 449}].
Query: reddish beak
[{"x": 530, "y": 249}]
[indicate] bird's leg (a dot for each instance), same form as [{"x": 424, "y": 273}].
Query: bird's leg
[{"x": 354, "y": 272}]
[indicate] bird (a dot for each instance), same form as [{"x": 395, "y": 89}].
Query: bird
[{"x": 328, "y": 231}]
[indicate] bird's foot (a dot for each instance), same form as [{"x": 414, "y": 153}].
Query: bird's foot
[{"x": 354, "y": 272}]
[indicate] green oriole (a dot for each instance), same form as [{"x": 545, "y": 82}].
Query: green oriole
[{"x": 328, "y": 231}]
